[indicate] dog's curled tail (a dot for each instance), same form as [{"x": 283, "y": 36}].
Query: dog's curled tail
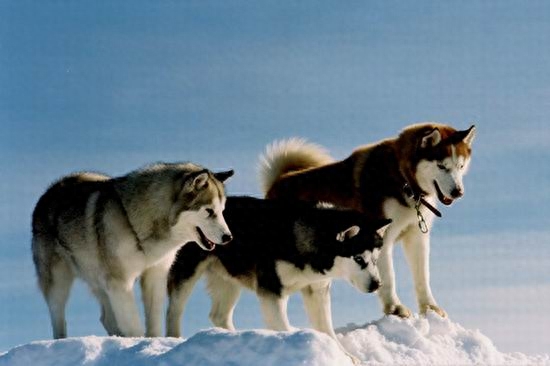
[{"x": 284, "y": 156}]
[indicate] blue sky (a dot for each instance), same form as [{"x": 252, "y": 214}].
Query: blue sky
[{"x": 111, "y": 86}]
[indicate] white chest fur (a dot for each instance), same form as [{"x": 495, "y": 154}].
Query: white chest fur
[
  {"x": 294, "y": 278},
  {"x": 404, "y": 217}
]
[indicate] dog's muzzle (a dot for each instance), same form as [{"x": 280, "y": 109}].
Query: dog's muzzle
[
  {"x": 373, "y": 286},
  {"x": 442, "y": 198}
]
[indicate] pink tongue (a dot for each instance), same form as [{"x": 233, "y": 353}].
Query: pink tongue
[{"x": 447, "y": 201}]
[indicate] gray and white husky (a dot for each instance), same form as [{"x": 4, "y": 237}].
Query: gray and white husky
[
  {"x": 110, "y": 231},
  {"x": 278, "y": 248}
]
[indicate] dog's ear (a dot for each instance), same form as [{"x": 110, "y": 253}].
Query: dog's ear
[
  {"x": 432, "y": 138},
  {"x": 200, "y": 181},
  {"x": 381, "y": 226},
  {"x": 188, "y": 183},
  {"x": 348, "y": 233},
  {"x": 468, "y": 135},
  {"x": 223, "y": 176}
]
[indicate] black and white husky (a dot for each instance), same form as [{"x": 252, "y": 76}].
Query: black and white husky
[{"x": 278, "y": 248}]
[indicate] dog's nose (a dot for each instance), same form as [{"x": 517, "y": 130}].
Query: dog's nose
[
  {"x": 226, "y": 238},
  {"x": 457, "y": 193},
  {"x": 373, "y": 286}
]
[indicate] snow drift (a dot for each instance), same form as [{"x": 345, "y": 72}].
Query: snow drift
[{"x": 418, "y": 341}]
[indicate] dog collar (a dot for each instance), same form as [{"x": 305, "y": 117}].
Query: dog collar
[{"x": 419, "y": 200}]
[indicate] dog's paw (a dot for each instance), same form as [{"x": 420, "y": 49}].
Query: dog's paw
[
  {"x": 431, "y": 307},
  {"x": 399, "y": 310},
  {"x": 354, "y": 359}
]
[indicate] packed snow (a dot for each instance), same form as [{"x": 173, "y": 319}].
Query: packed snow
[{"x": 420, "y": 340}]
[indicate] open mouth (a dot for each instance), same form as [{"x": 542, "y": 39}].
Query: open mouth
[
  {"x": 205, "y": 242},
  {"x": 444, "y": 199}
]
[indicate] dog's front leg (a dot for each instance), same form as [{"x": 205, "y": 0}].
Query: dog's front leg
[
  {"x": 387, "y": 292},
  {"x": 154, "y": 292},
  {"x": 318, "y": 308},
  {"x": 416, "y": 246},
  {"x": 274, "y": 310}
]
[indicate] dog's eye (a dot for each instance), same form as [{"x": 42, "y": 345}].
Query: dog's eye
[
  {"x": 210, "y": 212},
  {"x": 441, "y": 166},
  {"x": 360, "y": 261}
]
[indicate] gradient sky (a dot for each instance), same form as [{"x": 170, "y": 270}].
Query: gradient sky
[{"x": 111, "y": 86}]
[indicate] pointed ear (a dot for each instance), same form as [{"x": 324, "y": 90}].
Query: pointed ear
[
  {"x": 200, "y": 181},
  {"x": 223, "y": 176},
  {"x": 431, "y": 139},
  {"x": 469, "y": 135},
  {"x": 381, "y": 226},
  {"x": 348, "y": 233}
]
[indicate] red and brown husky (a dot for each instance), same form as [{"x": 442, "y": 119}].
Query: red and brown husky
[{"x": 399, "y": 178}]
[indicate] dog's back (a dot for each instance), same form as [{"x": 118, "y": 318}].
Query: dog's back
[{"x": 65, "y": 200}]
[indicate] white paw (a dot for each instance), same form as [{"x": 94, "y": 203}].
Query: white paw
[
  {"x": 399, "y": 310},
  {"x": 432, "y": 307}
]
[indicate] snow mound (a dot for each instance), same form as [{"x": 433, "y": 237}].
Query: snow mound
[
  {"x": 429, "y": 340},
  {"x": 426, "y": 340},
  {"x": 212, "y": 347}
]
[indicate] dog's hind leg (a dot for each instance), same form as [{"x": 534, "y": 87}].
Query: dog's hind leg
[
  {"x": 274, "y": 310},
  {"x": 62, "y": 280},
  {"x": 178, "y": 296},
  {"x": 179, "y": 290},
  {"x": 107, "y": 316},
  {"x": 224, "y": 295},
  {"x": 55, "y": 279},
  {"x": 121, "y": 298}
]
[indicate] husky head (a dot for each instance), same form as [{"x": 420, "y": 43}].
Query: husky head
[
  {"x": 358, "y": 250},
  {"x": 202, "y": 200},
  {"x": 343, "y": 244},
  {"x": 442, "y": 159}
]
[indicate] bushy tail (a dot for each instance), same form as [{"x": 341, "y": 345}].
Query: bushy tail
[{"x": 294, "y": 154}]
